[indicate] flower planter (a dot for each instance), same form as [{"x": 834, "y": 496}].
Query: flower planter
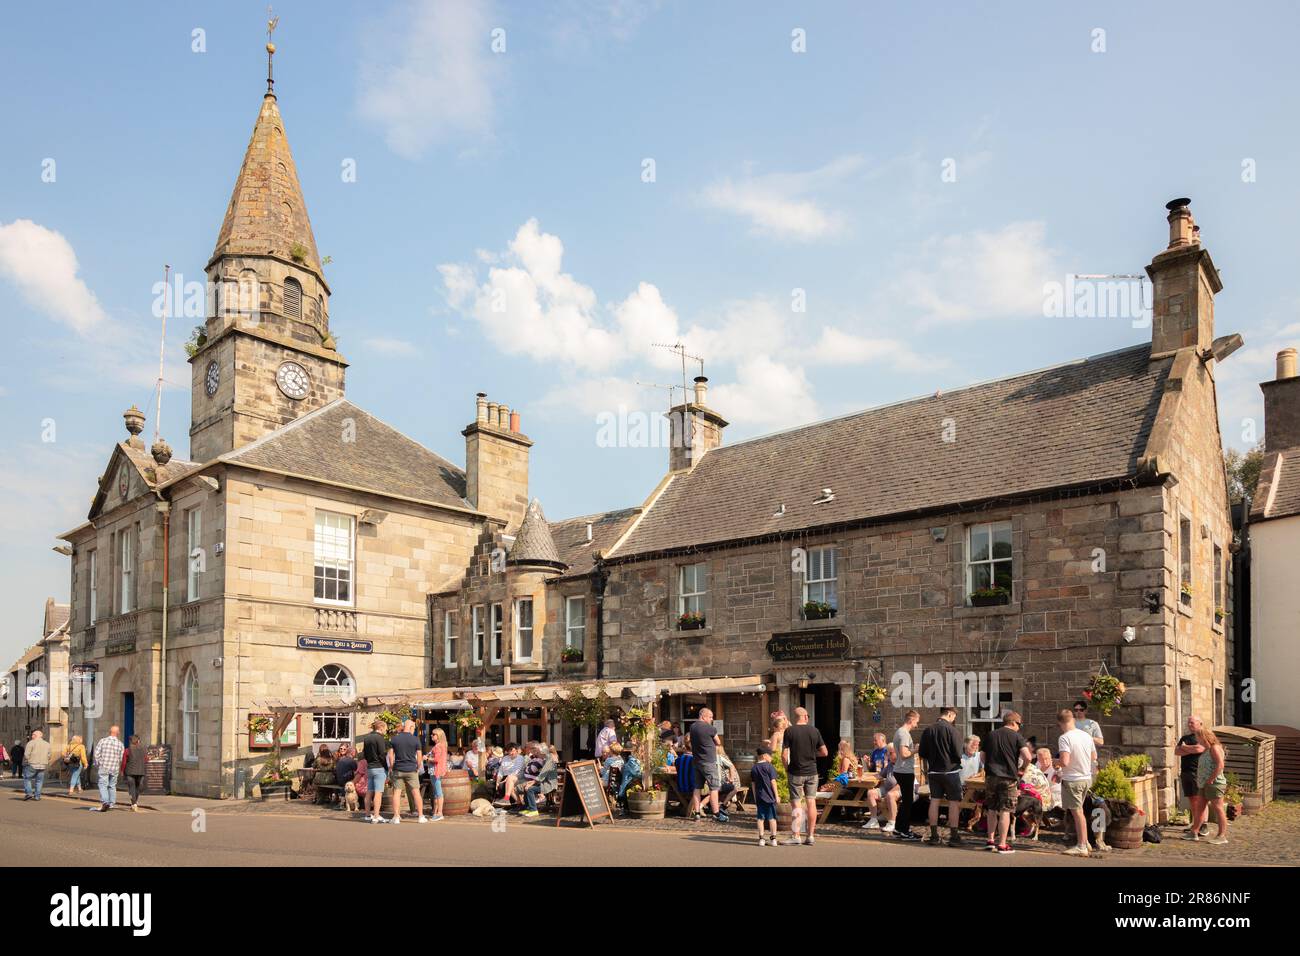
[
  {"x": 647, "y": 806},
  {"x": 394, "y": 797},
  {"x": 989, "y": 600},
  {"x": 691, "y": 626},
  {"x": 784, "y": 818},
  {"x": 1146, "y": 795},
  {"x": 1126, "y": 834},
  {"x": 273, "y": 788},
  {"x": 1185, "y": 597},
  {"x": 1233, "y": 810}
]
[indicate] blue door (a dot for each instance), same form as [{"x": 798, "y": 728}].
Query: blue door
[{"x": 128, "y": 716}]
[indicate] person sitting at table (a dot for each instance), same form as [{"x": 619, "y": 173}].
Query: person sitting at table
[
  {"x": 1034, "y": 800},
  {"x": 887, "y": 792},
  {"x": 846, "y": 761},
  {"x": 613, "y": 758},
  {"x": 670, "y": 756},
  {"x": 972, "y": 761},
  {"x": 540, "y": 783},
  {"x": 494, "y": 758},
  {"x": 730, "y": 777},
  {"x": 879, "y": 753},
  {"x": 360, "y": 777},
  {"x": 509, "y": 770},
  {"x": 345, "y": 767},
  {"x": 1049, "y": 770},
  {"x": 324, "y": 767}
]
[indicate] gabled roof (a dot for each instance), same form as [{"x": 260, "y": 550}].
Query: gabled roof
[
  {"x": 1278, "y": 492},
  {"x": 56, "y": 615},
  {"x": 267, "y": 214},
  {"x": 148, "y": 470},
  {"x": 346, "y": 445},
  {"x": 571, "y": 542},
  {"x": 1080, "y": 423},
  {"x": 533, "y": 542}
]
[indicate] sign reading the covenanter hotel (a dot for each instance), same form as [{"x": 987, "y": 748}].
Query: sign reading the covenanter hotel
[
  {"x": 311, "y": 643},
  {"x": 827, "y": 645}
]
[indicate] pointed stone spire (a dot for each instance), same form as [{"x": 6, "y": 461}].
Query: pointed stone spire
[
  {"x": 267, "y": 214},
  {"x": 534, "y": 544}
]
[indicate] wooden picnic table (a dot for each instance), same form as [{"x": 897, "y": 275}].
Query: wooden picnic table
[
  {"x": 852, "y": 794},
  {"x": 669, "y": 779}
]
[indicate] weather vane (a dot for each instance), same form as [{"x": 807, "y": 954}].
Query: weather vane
[{"x": 271, "y": 23}]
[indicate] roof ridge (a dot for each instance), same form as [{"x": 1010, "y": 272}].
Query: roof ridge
[
  {"x": 234, "y": 453},
  {"x": 920, "y": 398}
]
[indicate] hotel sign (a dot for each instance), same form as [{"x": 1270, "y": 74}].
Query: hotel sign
[
  {"x": 310, "y": 643},
  {"x": 830, "y": 644}
]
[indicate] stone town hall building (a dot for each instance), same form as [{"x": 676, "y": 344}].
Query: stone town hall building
[{"x": 306, "y": 546}]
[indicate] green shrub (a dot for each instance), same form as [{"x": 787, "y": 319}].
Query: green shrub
[
  {"x": 1112, "y": 784},
  {"x": 782, "y": 779},
  {"x": 1133, "y": 765}
]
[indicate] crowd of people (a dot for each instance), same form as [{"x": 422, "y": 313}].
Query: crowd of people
[
  {"x": 113, "y": 761},
  {"x": 1024, "y": 784}
]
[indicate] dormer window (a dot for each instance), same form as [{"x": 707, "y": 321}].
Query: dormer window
[{"x": 292, "y": 298}]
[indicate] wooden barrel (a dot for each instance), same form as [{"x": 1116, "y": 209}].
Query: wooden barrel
[
  {"x": 1126, "y": 834},
  {"x": 394, "y": 800},
  {"x": 456, "y": 793},
  {"x": 784, "y": 817},
  {"x": 646, "y": 806}
]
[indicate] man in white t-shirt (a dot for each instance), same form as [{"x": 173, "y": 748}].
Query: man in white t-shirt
[
  {"x": 1086, "y": 723},
  {"x": 1078, "y": 767}
]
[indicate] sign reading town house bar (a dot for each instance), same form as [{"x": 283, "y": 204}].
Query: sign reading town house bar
[
  {"x": 829, "y": 644},
  {"x": 309, "y": 642}
]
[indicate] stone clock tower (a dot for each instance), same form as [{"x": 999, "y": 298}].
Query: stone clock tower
[{"x": 267, "y": 357}]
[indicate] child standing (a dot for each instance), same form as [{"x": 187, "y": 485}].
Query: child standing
[{"x": 762, "y": 780}]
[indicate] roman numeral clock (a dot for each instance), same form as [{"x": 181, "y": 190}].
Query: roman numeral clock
[{"x": 293, "y": 381}]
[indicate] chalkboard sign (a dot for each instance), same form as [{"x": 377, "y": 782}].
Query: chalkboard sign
[{"x": 583, "y": 794}]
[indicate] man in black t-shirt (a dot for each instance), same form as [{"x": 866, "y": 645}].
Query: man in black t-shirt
[
  {"x": 802, "y": 745},
  {"x": 704, "y": 749},
  {"x": 407, "y": 759},
  {"x": 1006, "y": 753},
  {"x": 374, "y": 750},
  {"x": 1189, "y": 753},
  {"x": 941, "y": 748}
]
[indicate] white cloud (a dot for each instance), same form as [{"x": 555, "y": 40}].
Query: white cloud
[
  {"x": 43, "y": 267},
  {"x": 780, "y": 204},
  {"x": 428, "y": 75},
  {"x": 978, "y": 275},
  {"x": 755, "y": 350},
  {"x": 836, "y": 347},
  {"x": 391, "y": 347}
]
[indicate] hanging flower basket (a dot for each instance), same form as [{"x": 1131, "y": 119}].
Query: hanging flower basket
[
  {"x": 870, "y": 694},
  {"x": 259, "y": 724},
  {"x": 467, "y": 720},
  {"x": 1105, "y": 693},
  {"x": 637, "y": 722}
]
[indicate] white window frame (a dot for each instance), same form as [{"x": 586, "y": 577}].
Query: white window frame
[
  {"x": 323, "y": 561},
  {"x": 330, "y": 686},
  {"x": 818, "y": 587},
  {"x": 691, "y": 601},
  {"x": 1219, "y": 590},
  {"x": 126, "y": 570},
  {"x": 519, "y": 630},
  {"x": 990, "y": 527},
  {"x": 92, "y": 560},
  {"x": 495, "y": 615},
  {"x": 450, "y": 637},
  {"x": 190, "y": 714},
  {"x": 193, "y": 535},
  {"x": 580, "y": 628},
  {"x": 478, "y": 613}
]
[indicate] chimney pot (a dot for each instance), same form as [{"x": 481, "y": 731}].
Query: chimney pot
[
  {"x": 480, "y": 407},
  {"x": 493, "y": 413},
  {"x": 514, "y": 422},
  {"x": 701, "y": 390},
  {"x": 1286, "y": 364},
  {"x": 1180, "y": 223},
  {"x": 588, "y": 530},
  {"x": 503, "y": 416}
]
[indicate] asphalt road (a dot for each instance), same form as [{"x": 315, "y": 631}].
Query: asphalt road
[{"x": 58, "y": 832}]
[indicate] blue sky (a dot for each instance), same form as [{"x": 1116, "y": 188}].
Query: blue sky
[{"x": 826, "y": 175}]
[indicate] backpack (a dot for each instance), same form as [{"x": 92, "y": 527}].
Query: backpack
[{"x": 1151, "y": 834}]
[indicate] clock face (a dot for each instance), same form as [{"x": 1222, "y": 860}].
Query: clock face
[
  {"x": 293, "y": 381},
  {"x": 212, "y": 378}
]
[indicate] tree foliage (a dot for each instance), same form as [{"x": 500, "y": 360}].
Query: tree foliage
[{"x": 1243, "y": 471}]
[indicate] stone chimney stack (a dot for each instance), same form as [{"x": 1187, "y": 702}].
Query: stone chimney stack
[
  {"x": 1282, "y": 405},
  {"x": 496, "y": 462},
  {"x": 1185, "y": 283},
  {"x": 695, "y": 430}
]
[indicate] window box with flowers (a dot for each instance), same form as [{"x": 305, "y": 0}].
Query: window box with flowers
[
  {"x": 571, "y": 655},
  {"x": 691, "y": 621},
  {"x": 989, "y": 597},
  {"x": 1219, "y": 616},
  {"x": 818, "y": 611},
  {"x": 1185, "y": 593}
]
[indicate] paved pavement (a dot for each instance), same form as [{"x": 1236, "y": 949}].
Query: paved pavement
[{"x": 181, "y": 831}]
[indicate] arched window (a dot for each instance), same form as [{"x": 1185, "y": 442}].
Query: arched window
[
  {"x": 190, "y": 714},
  {"x": 332, "y": 681},
  {"x": 292, "y": 299}
]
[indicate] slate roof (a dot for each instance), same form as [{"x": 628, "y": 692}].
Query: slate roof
[
  {"x": 346, "y": 445},
  {"x": 571, "y": 542},
  {"x": 1079, "y": 423},
  {"x": 533, "y": 542},
  {"x": 56, "y": 615},
  {"x": 267, "y": 213},
  {"x": 1278, "y": 494},
  {"x": 152, "y": 473}
]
